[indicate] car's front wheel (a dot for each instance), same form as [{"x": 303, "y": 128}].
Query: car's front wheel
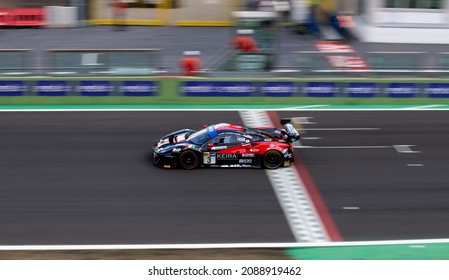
[
  {"x": 272, "y": 159},
  {"x": 189, "y": 160}
]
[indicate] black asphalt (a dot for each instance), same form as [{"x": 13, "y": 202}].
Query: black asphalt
[
  {"x": 83, "y": 178},
  {"x": 395, "y": 201}
]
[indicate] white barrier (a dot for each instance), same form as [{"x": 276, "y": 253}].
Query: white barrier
[{"x": 60, "y": 16}]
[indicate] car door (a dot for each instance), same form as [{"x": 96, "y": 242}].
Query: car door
[{"x": 220, "y": 150}]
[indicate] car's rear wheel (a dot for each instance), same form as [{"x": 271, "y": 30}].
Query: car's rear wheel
[
  {"x": 189, "y": 160},
  {"x": 272, "y": 159}
]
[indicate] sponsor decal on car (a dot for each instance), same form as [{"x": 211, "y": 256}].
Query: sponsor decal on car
[
  {"x": 253, "y": 150},
  {"x": 273, "y": 146},
  {"x": 209, "y": 158},
  {"x": 218, "y": 148},
  {"x": 247, "y": 155},
  {"x": 227, "y": 156},
  {"x": 245, "y": 160}
]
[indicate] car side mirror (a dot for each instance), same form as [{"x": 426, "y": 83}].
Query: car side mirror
[{"x": 210, "y": 145}]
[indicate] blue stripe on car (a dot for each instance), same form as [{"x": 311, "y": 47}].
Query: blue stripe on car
[{"x": 211, "y": 131}]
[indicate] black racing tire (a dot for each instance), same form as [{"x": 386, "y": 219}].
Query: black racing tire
[
  {"x": 189, "y": 160},
  {"x": 272, "y": 159}
]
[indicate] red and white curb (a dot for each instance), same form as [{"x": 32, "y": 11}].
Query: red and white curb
[
  {"x": 352, "y": 62},
  {"x": 289, "y": 188}
]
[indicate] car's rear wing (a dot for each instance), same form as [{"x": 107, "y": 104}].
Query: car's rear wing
[{"x": 292, "y": 133}]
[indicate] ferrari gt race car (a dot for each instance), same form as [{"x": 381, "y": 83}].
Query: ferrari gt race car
[{"x": 227, "y": 145}]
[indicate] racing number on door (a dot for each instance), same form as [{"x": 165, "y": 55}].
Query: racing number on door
[{"x": 209, "y": 158}]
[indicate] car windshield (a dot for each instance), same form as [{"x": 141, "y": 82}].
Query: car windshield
[{"x": 199, "y": 137}]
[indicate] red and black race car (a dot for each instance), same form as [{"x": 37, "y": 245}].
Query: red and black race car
[{"x": 227, "y": 145}]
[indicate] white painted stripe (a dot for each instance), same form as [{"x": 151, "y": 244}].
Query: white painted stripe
[
  {"x": 311, "y": 138},
  {"x": 351, "y": 208},
  {"x": 424, "y": 107},
  {"x": 446, "y": 108},
  {"x": 344, "y": 128},
  {"x": 415, "y": 164},
  {"x": 405, "y": 149},
  {"x": 289, "y": 188},
  {"x": 220, "y": 245},
  {"x": 341, "y": 147},
  {"x": 302, "y": 120},
  {"x": 306, "y": 107}
]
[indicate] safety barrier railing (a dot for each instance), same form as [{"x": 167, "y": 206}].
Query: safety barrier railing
[
  {"x": 14, "y": 62},
  {"x": 230, "y": 63},
  {"x": 240, "y": 61},
  {"x": 104, "y": 62},
  {"x": 369, "y": 64}
]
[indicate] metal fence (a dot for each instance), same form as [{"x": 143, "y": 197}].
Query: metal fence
[
  {"x": 14, "y": 62},
  {"x": 135, "y": 62},
  {"x": 104, "y": 62},
  {"x": 84, "y": 62}
]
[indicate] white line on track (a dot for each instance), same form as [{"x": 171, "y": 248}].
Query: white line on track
[
  {"x": 415, "y": 164},
  {"x": 219, "y": 245},
  {"x": 343, "y": 128},
  {"x": 446, "y": 108},
  {"x": 302, "y": 120},
  {"x": 306, "y": 107},
  {"x": 341, "y": 147},
  {"x": 311, "y": 138},
  {"x": 351, "y": 208},
  {"x": 405, "y": 149},
  {"x": 424, "y": 107}
]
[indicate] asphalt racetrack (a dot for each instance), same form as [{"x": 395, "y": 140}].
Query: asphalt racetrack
[{"x": 84, "y": 178}]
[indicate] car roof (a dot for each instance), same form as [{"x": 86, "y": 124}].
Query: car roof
[{"x": 215, "y": 129}]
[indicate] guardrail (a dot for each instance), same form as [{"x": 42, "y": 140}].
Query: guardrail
[
  {"x": 14, "y": 62},
  {"x": 104, "y": 62},
  {"x": 148, "y": 62},
  {"x": 83, "y": 62}
]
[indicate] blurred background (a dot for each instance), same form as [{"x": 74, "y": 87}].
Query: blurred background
[{"x": 378, "y": 37}]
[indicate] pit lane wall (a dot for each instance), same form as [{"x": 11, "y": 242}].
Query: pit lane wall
[{"x": 181, "y": 90}]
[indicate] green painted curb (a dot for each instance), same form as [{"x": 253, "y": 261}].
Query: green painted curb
[{"x": 425, "y": 251}]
